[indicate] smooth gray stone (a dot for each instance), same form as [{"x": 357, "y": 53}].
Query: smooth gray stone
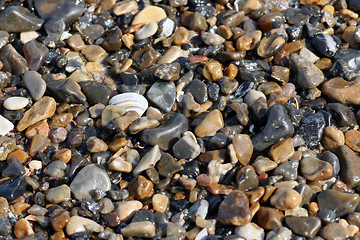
[
  {"x": 186, "y": 148},
  {"x": 289, "y": 170},
  {"x": 34, "y": 84},
  {"x": 340, "y": 202},
  {"x": 54, "y": 27},
  {"x": 66, "y": 90},
  {"x": 89, "y": 178},
  {"x": 35, "y": 54},
  {"x": 162, "y": 94},
  {"x": 278, "y": 126},
  {"x": 198, "y": 89},
  {"x": 14, "y": 169},
  {"x": 19, "y": 19},
  {"x": 95, "y": 92},
  {"x": 12, "y": 61},
  {"x": 304, "y": 226},
  {"x": 166, "y": 135},
  {"x": 70, "y": 10}
]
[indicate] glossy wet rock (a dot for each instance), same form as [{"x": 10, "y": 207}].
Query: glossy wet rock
[
  {"x": 285, "y": 198},
  {"x": 314, "y": 169},
  {"x": 270, "y": 218},
  {"x": 272, "y": 43},
  {"x": 163, "y": 95},
  {"x": 81, "y": 224},
  {"x": 340, "y": 202},
  {"x": 35, "y": 84},
  {"x": 345, "y": 64},
  {"x": 82, "y": 185},
  {"x": 95, "y": 92},
  {"x": 342, "y": 90},
  {"x": 326, "y": 44},
  {"x": 13, "y": 188},
  {"x": 19, "y": 19},
  {"x": 42, "y": 109},
  {"x": 234, "y": 209},
  {"x": 35, "y": 54},
  {"x": 243, "y": 148},
  {"x": 304, "y": 226},
  {"x": 12, "y": 60},
  {"x": 349, "y": 162},
  {"x": 308, "y": 75},
  {"x": 311, "y": 128},
  {"x": 210, "y": 125},
  {"x": 66, "y": 90},
  {"x": 278, "y": 125},
  {"x": 69, "y": 10}
]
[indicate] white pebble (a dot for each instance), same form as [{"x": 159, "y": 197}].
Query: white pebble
[
  {"x": 15, "y": 103},
  {"x": 5, "y": 126}
]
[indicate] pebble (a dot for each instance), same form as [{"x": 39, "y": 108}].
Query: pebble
[
  {"x": 81, "y": 186},
  {"x": 160, "y": 202},
  {"x": 6, "y": 127},
  {"x": 304, "y": 226},
  {"x": 212, "y": 39},
  {"x": 289, "y": 170},
  {"x": 58, "y": 194},
  {"x": 243, "y": 148},
  {"x": 272, "y": 43},
  {"x": 168, "y": 71},
  {"x": 6, "y": 226},
  {"x": 42, "y": 109},
  {"x": 56, "y": 169},
  {"x": 4, "y": 206},
  {"x": 326, "y": 44},
  {"x": 314, "y": 169},
  {"x": 95, "y": 92},
  {"x": 59, "y": 219},
  {"x": 186, "y": 147},
  {"x": 349, "y": 165},
  {"x": 263, "y": 165},
  {"x": 69, "y": 10},
  {"x": 15, "y": 103},
  {"x": 13, "y": 188},
  {"x": 210, "y": 125},
  {"x": 180, "y": 36},
  {"x": 145, "y": 229},
  {"x": 147, "y": 31},
  {"x": 340, "y": 202},
  {"x": 19, "y": 19},
  {"x": 12, "y": 61},
  {"x": 79, "y": 224},
  {"x": 234, "y": 210},
  {"x": 212, "y": 71},
  {"x": 166, "y": 28},
  {"x": 352, "y": 140},
  {"x": 282, "y": 151},
  {"x": 14, "y": 169},
  {"x": 127, "y": 209},
  {"x": 285, "y": 198},
  {"x": 170, "y": 55},
  {"x": 343, "y": 67},
  {"x": 269, "y": 218},
  {"x": 122, "y": 8},
  {"x": 22, "y": 228},
  {"x": 35, "y": 54},
  {"x": 166, "y": 134},
  {"x": 341, "y": 90},
  {"x": 250, "y": 231},
  {"x": 141, "y": 188},
  {"x": 149, "y": 14},
  {"x": 35, "y": 84},
  {"x": 311, "y": 128},
  {"x": 95, "y": 145},
  {"x": 66, "y": 90},
  {"x": 148, "y": 160},
  {"x": 198, "y": 90},
  {"x": 332, "y": 138},
  {"x": 246, "y": 178},
  {"x": 308, "y": 75},
  {"x": 272, "y": 133}
]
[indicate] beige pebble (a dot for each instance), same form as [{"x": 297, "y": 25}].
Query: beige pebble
[
  {"x": 160, "y": 202},
  {"x": 243, "y": 147},
  {"x": 285, "y": 198},
  {"x": 149, "y": 14}
]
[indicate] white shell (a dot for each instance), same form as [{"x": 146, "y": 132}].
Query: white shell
[
  {"x": 131, "y": 102},
  {"x": 5, "y": 126},
  {"x": 15, "y": 103}
]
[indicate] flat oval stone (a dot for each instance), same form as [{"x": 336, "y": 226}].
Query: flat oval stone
[
  {"x": 70, "y": 10},
  {"x": 304, "y": 226},
  {"x": 234, "y": 210},
  {"x": 15, "y": 103},
  {"x": 350, "y": 166},
  {"x": 79, "y": 224},
  {"x": 243, "y": 148},
  {"x": 34, "y": 84},
  {"x": 82, "y": 185},
  {"x": 340, "y": 202},
  {"x": 42, "y": 109},
  {"x": 19, "y": 19},
  {"x": 285, "y": 198},
  {"x": 342, "y": 91}
]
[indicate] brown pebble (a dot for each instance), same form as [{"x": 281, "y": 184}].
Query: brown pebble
[
  {"x": 243, "y": 147},
  {"x": 234, "y": 209},
  {"x": 352, "y": 139},
  {"x": 94, "y": 53},
  {"x": 38, "y": 128},
  {"x": 210, "y": 125},
  {"x": 59, "y": 219},
  {"x": 180, "y": 36},
  {"x": 332, "y": 138},
  {"x": 160, "y": 202},
  {"x": 285, "y": 198},
  {"x": 62, "y": 155},
  {"x": 282, "y": 150},
  {"x": 342, "y": 91},
  {"x": 19, "y": 154},
  {"x": 248, "y": 41},
  {"x": 95, "y": 144},
  {"x": 61, "y": 120},
  {"x": 141, "y": 188},
  {"x": 118, "y": 143},
  {"x": 323, "y": 64},
  {"x": 20, "y": 208},
  {"x": 4, "y": 206},
  {"x": 39, "y": 143},
  {"x": 76, "y": 42},
  {"x": 213, "y": 71},
  {"x": 111, "y": 219},
  {"x": 269, "y": 218},
  {"x": 22, "y": 228}
]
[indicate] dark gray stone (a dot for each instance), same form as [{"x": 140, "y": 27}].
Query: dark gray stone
[
  {"x": 66, "y": 90},
  {"x": 19, "y": 19}
]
